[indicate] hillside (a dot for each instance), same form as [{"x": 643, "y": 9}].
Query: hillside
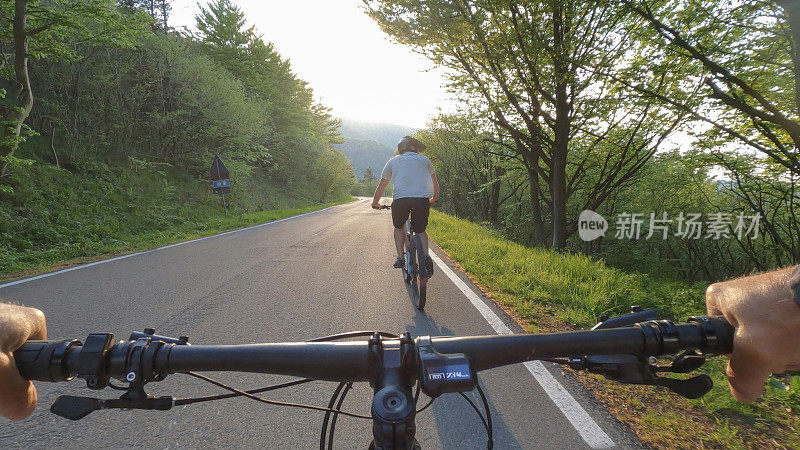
[
  {"x": 115, "y": 151},
  {"x": 369, "y": 144},
  {"x": 386, "y": 134},
  {"x": 364, "y": 153}
]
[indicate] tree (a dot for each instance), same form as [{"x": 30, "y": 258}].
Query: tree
[
  {"x": 303, "y": 130},
  {"x": 43, "y": 29},
  {"x": 159, "y": 10},
  {"x": 477, "y": 176},
  {"x": 745, "y": 59},
  {"x": 16, "y": 114},
  {"x": 368, "y": 176},
  {"x": 222, "y": 24},
  {"x": 187, "y": 108},
  {"x": 335, "y": 175},
  {"x": 522, "y": 64},
  {"x": 746, "y": 56}
]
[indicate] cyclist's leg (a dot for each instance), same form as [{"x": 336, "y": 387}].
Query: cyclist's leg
[
  {"x": 400, "y": 212},
  {"x": 419, "y": 222},
  {"x": 420, "y": 211},
  {"x": 399, "y": 240},
  {"x": 424, "y": 238},
  {"x": 428, "y": 260}
]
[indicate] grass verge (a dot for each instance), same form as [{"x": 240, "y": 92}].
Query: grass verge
[
  {"x": 548, "y": 291},
  {"x": 45, "y": 260}
]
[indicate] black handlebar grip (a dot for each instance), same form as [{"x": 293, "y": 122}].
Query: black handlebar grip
[
  {"x": 45, "y": 360},
  {"x": 718, "y": 334}
]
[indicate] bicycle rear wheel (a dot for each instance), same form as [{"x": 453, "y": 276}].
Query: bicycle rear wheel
[
  {"x": 408, "y": 265},
  {"x": 422, "y": 296},
  {"x": 421, "y": 290}
]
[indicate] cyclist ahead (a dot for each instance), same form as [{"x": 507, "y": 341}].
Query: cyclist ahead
[{"x": 415, "y": 190}]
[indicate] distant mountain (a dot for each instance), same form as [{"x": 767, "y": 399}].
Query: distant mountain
[
  {"x": 364, "y": 153},
  {"x": 370, "y": 144}
]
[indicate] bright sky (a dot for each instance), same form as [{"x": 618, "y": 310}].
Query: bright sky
[{"x": 350, "y": 63}]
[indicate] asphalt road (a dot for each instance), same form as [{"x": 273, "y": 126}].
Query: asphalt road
[{"x": 318, "y": 274}]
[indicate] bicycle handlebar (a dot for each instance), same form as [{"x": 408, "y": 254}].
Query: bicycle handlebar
[
  {"x": 392, "y": 366},
  {"x": 349, "y": 361}
]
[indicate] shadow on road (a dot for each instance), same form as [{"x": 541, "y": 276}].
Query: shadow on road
[
  {"x": 457, "y": 423},
  {"x": 411, "y": 295},
  {"x": 424, "y": 325}
]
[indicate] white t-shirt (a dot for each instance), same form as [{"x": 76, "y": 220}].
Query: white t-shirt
[{"x": 411, "y": 175}]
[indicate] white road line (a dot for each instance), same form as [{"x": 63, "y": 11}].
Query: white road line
[
  {"x": 589, "y": 430},
  {"x": 83, "y": 266}
]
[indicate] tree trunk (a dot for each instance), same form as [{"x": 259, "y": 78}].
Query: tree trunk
[
  {"x": 560, "y": 197},
  {"x": 24, "y": 102},
  {"x": 494, "y": 204},
  {"x": 536, "y": 207},
  {"x": 164, "y": 14},
  {"x": 53, "y": 142},
  {"x": 791, "y": 9},
  {"x": 561, "y": 131}
]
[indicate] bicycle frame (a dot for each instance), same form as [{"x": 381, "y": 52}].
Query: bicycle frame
[
  {"x": 409, "y": 251},
  {"x": 414, "y": 270}
]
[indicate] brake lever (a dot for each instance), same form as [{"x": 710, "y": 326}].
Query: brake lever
[
  {"x": 76, "y": 408},
  {"x": 685, "y": 362},
  {"x": 692, "y": 388},
  {"x": 629, "y": 369}
]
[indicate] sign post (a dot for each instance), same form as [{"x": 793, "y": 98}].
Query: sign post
[{"x": 220, "y": 180}]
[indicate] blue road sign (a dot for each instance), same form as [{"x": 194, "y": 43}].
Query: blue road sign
[{"x": 216, "y": 184}]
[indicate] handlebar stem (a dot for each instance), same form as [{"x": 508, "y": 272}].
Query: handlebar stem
[{"x": 392, "y": 364}]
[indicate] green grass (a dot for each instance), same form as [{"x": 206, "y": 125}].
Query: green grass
[
  {"x": 577, "y": 290},
  {"x": 63, "y": 216},
  {"x": 42, "y": 260},
  {"x": 580, "y": 288}
]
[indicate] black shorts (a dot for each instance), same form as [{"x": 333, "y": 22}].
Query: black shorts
[{"x": 418, "y": 207}]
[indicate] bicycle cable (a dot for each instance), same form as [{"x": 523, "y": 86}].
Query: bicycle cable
[
  {"x": 352, "y": 334},
  {"x": 430, "y": 402},
  {"x": 326, "y": 420},
  {"x": 475, "y": 407},
  {"x": 189, "y": 401},
  {"x": 487, "y": 421},
  {"x": 490, "y": 428},
  {"x": 336, "y": 415},
  {"x": 249, "y": 394},
  {"x": 274, "y": 402},
  {"x": 114, "y": 386},
  {"x": 334, "y": 405}
]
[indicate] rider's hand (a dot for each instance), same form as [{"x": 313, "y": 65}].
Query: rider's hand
[
  {"x": 17, "y": 325},
  {"x": 434, "y": 200},
  {"x": 762, "y": 308},
  {"x": 376, "y": 205}
]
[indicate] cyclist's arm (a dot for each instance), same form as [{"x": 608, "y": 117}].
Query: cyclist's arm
[
  {"x": 17, "y": 324},
  {"x": 379, "y": 193},
  {"x": 435, "y": 197},
  {"x": 763, "y": 310}
]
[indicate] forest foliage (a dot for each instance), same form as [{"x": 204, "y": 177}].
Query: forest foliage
[
  {"x": 125, "y": 113},
  {"x": 659, "y": 108},
  {"x": 676, "y": 122}
]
